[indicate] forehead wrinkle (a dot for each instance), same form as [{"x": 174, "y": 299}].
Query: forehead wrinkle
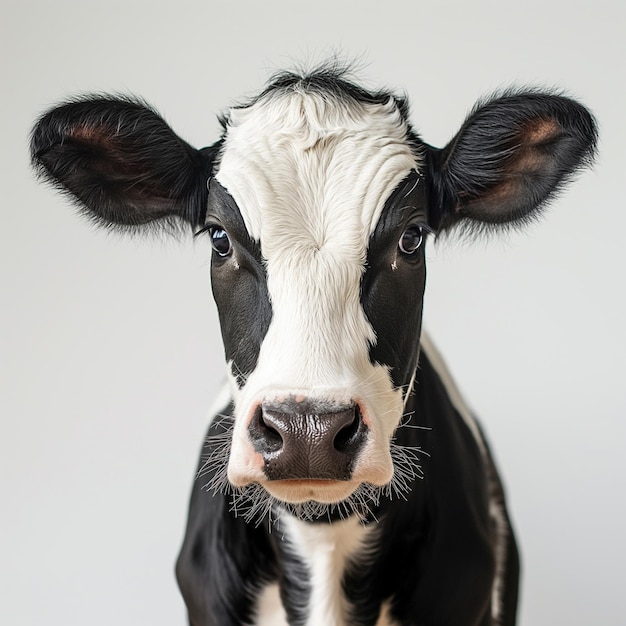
[{"x": 307, "y": 168}]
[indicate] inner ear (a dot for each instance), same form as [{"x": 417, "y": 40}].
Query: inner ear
[
  {"x": 527, "y": 169},
  {"x": 118, "y": 169}
]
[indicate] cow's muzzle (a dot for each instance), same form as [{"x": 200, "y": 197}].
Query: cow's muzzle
[{"x": 301, "y": 439}]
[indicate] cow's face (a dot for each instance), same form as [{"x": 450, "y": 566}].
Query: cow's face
[
  {"x": 317, "y": 200},
  {"x": 317, "y": 213}
]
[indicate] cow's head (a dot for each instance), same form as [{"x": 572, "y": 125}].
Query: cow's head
[{"x": 318, "y": 200}]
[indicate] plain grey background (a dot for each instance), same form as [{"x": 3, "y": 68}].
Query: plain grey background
[{"x": 111, "y": 351}]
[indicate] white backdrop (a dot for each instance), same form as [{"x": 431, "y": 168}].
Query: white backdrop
[{"x": 110, "y": 348}]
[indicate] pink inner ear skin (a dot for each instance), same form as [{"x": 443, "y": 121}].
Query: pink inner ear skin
[
  {"x": 541, "y": 131},
  {"x": 83, "y": 132}
]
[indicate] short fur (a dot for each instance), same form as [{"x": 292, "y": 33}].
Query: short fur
[{"x": 318, "y": 198}]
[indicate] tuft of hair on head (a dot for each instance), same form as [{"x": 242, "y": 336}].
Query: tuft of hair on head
[{"x": 335, "y": 76}]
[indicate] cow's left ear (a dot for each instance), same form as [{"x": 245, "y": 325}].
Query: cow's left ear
[{"x": 511, "y": 156}]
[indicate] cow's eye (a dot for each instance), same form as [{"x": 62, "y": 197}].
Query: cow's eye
[
  {"x": 411, "y": 240},
  {"x": 220, "y": 241}
]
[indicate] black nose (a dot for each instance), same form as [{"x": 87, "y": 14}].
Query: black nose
[{"x": 307, "y": 440}]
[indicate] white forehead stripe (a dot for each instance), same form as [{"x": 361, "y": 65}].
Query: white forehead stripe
[
  {"x": 314, "y": 162},
  {"x": 310, "y": 174}
]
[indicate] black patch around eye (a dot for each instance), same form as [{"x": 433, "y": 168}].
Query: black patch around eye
[
  {"x": 392, "y": 293},
  {"x": 240, "y": 289}
]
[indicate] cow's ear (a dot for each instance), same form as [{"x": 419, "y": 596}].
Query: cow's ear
[
  {"x": 121, "y": 162},
  {"x": 511, "y": 156}
]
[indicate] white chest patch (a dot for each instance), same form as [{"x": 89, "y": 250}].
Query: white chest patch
[{"x": 326, "y": 549}]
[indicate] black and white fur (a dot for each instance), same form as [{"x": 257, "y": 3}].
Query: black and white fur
[{"x": 343, "y": 479}]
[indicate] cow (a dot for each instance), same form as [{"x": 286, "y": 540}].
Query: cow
[{"x": 343, "y": 479}]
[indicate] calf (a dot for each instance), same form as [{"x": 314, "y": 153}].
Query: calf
[{"x": 343, "y": 479}]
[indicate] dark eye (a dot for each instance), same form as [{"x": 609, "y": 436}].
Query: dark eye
[
  {"x": 220, "y": 241},
  {"x": 411, "y": 240}
]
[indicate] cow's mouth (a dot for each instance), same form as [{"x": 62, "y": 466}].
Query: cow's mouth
[
  {"x": 383, "y": 472},
  {"x": 323, "y": 491}
]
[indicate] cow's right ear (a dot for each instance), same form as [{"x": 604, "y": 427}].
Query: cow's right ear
[{"x": 121, "y": 162}]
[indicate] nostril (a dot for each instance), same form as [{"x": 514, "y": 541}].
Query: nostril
[
  {"x": 350, "y": 434},
  {"x": 272, "y": 436},
  {"x": 265, "y": 437}
]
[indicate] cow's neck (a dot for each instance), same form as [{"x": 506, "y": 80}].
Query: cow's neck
[{"x": 326, "y": 550}]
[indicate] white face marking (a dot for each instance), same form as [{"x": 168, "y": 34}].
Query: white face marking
[{"x": 311, "y": 175}]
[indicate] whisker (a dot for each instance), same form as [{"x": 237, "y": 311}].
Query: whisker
[
  {"x": 256, "y": 505},
  {"x": 239, "y": 373}
]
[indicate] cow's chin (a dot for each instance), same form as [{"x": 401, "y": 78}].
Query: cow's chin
[
  {"x": 308, "y": 499},
  {"x": 256, "y": 496},
  {"x": 313, "y": 500},
  {"x": 303, "y": 490}
]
